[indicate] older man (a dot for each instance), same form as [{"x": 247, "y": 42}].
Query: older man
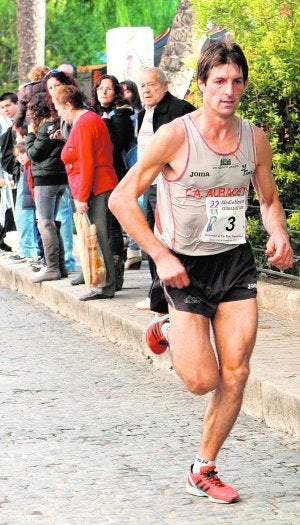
[{"x": 160, "y": 107}]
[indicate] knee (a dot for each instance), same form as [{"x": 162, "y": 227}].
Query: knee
[
  {"x": 199, "y": 383},
  {"x": 236, "y": 378}
]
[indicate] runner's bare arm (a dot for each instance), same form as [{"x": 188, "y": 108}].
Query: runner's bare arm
[
  {"x": 123, "y": 202},
  {"x": 278, "y": 247}
]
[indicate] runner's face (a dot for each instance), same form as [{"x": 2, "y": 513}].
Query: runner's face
[{"x": 223, "y": 89}]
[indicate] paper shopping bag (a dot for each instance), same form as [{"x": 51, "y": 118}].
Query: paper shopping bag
[{"x": 90, "y": 254}]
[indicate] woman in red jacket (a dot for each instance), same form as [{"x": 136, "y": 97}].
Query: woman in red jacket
[{"x": 88, "y": 158}]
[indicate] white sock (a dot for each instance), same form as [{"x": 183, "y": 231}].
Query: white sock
[
  {"x": 165, "y": 330},
  {"x": 200, "y": 462}
]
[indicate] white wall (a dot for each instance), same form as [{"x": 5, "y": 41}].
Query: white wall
[{"x": 128, "y": 50}]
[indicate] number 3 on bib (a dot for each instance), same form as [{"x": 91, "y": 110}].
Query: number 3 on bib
[{"x": 226, "y": 222}]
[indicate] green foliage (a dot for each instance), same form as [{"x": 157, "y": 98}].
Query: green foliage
[
  {"x": 76, "y": 30},
  {"x": 8, "y": 50},
  {"x": 293, "y": 223}
]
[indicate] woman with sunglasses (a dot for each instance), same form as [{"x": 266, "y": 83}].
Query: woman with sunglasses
[
  {"x": 53, "y": 79},
  {"x": 50, "y": 182}
]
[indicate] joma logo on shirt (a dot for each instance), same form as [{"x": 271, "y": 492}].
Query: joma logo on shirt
[{"x": 199, "y": 174}]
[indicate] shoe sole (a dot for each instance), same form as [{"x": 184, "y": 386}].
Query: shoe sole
[{"x": 197, "y": 492}]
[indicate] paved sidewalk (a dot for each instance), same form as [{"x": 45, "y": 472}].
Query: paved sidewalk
[
  {"x": 273, "y": 390},
  {"x": 93, "y": 435}
]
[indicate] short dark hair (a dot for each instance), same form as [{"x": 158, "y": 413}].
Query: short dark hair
[
  {"x": 220, "y": 53},
  {"x": 9, "y": 96}
]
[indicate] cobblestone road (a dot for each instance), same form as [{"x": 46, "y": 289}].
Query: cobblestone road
[{"x": 92, "y": 434}]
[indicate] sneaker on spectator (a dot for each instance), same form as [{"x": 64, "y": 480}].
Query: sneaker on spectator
[{"x": 206, "y": 483}]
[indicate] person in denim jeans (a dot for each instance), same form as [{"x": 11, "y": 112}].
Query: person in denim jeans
[{"x": 50, "y": 182}]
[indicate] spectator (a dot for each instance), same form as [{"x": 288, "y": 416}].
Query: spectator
[
  {"x": 9, "y": 166},
  {"x": 25, "y": 210},
  {"x": 50, "y": 182},
  {"x": 160, "y": 108},
  {"x": 36, "y": 85},
  {"x": 108, "y": 103},
  {"x": 130, "y": 93},
  {"x": 68, "y": 69},
  {"x": 131, "y": 96},
  {"x": 54, "y": 79},
  {"x": 87, "y": 155}
]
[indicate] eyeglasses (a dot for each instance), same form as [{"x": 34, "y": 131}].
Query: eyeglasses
[{"x": 104, "y": 89}]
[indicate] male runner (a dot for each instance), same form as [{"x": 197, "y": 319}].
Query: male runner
[{"x": 205, "y": 268}]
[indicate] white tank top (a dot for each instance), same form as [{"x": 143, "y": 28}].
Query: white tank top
[{"x": 202, "y": 212}]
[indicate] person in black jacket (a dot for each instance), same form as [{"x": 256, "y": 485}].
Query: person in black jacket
[
  {"x": 161, "y": 107},
  {"x": 50, "y": 181},
  {"x": 109, "y": 104}
]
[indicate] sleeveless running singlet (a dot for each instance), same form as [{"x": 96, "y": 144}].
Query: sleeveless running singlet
[{"x": 203, "y": 211}]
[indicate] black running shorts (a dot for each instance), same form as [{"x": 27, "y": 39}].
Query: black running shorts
[{"x": 214, "y": 279}]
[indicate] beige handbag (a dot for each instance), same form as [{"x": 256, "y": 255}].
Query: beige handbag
[{"x": 90, "y": 254}]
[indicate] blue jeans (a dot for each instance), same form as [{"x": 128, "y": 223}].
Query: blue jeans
[
  {"x": 65, "y": 216},
  {"x": 47, "y": 200},
  {"x": 26, "y": 225}
]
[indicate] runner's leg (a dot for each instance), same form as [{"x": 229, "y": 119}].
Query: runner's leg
[
  {"x": 191, "y": 351},
  {"x": 235, "y": 327}
]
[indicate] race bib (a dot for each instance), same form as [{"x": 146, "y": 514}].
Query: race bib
[{"x": 226, "y": 222}]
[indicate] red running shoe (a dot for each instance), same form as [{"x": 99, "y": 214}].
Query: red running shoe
[
  {"x": 154, "y": 337},
  {"x": 206, "y": 483}
]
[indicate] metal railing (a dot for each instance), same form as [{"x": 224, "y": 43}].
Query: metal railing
[{"x": 260, "y": 256}]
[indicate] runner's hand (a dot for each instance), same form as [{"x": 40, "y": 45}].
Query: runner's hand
[
  {"x": 171, "y": 271},
  {"x": 279, "y": 251}
]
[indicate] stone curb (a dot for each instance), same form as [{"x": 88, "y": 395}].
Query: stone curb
[
  {"x": 279, "y": 300},
  {"x": 123, "y": 325}
]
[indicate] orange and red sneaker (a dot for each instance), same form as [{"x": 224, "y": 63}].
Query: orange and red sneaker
[
  {"x": 154, "y": 336},
  {"x": 206, "y": 483}
]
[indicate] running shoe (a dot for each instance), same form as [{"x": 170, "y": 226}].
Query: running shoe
[
  {"x": 206, "y": 483},
  {"x": 154, "y": 336}
]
